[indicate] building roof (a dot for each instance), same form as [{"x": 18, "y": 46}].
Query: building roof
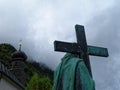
[
  {"x": 19, "y": 54},
  {"x": 11, "y": 76}
]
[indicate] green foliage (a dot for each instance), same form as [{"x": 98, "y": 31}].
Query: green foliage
[
  {"x": 34, "y": 83},
  {"x": 37, "y": 83},
  {"x": 5, "y": 53},
  {"x": 45, "y": 84}
]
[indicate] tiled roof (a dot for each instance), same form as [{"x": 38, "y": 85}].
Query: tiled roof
[{"x": 11, "y": 76}]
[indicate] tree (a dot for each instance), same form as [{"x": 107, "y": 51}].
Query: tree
[
  {"x": 45, "y": 84},
  {"x": 34, "y": 83},
  {"x": 37, "y": 83}
]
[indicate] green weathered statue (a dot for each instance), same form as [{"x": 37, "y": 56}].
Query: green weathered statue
[{"x": 72, "y": 74}]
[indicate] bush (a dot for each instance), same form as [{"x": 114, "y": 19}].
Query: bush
[{"x": 37, "y": 83}]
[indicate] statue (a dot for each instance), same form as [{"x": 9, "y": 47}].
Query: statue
[{"x": 72, "y": 74}]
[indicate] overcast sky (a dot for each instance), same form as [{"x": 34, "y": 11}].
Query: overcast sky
[{"x": 39, "y": 22}]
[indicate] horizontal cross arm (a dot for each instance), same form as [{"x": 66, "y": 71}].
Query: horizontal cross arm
[
  {"x": 66, "y": 47},
  {"x": 97, "y": 51},
  {"x": 75, "y": 48}
]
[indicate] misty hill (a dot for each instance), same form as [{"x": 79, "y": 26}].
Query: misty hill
[
  {"x": 31, "y": 66},
  {"x": 42, "y": 68},
  {"x": 5, "y": 53}
]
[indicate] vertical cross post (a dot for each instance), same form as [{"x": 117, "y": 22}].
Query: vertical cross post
[{"x": 81, "y": 40}]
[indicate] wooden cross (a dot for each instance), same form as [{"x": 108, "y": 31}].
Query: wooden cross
[{"x": 81, "y": 48}]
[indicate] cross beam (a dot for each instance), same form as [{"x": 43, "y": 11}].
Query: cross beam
[
  {"x": 81, "y": 48},
  {"x": 75, "y": 48}
]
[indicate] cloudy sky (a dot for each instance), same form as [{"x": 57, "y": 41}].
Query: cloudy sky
[{"x": 39, "y": 22}]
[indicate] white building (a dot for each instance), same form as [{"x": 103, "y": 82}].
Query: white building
[{"x": 8, "y": 81}]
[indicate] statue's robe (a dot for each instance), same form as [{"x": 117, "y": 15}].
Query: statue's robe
[{"x": 72, "y": 74}]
